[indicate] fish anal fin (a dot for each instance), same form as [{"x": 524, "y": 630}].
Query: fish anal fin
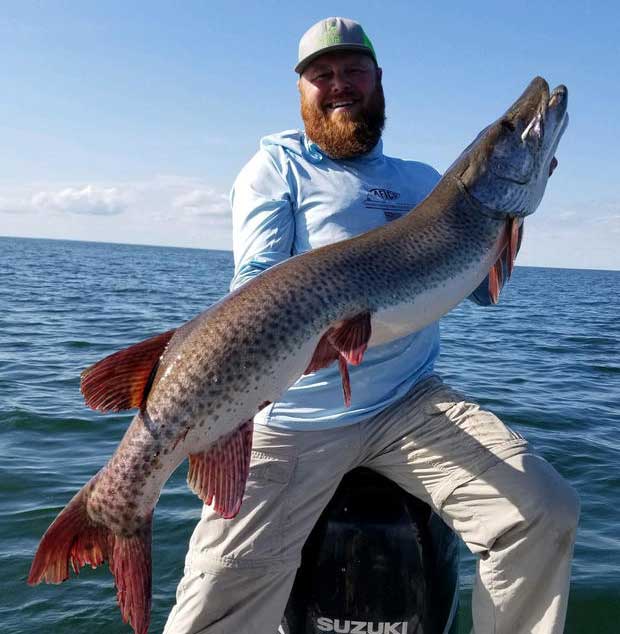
[
  {"x": 75, "y": 540},
  {"x": 218, "y": 475},
  {"x": 123, "y": 380}
]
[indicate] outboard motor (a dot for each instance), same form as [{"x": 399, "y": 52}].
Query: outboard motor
[{"x": 378, "y": 561}]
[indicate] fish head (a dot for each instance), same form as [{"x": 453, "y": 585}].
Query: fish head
[{"x": 506, "y": 168}]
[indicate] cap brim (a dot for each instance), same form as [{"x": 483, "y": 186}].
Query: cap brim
[{"x": 358, "y": 48}]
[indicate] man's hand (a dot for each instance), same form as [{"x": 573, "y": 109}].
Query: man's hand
[{"x": 553, "y": 165}]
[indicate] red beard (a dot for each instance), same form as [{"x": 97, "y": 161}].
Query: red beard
[{"x": 346, "y": 135}]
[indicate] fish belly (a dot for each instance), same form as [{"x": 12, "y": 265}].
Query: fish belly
[{"x": 426, "y": 307}]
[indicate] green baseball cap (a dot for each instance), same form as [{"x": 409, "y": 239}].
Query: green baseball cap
[{"x": 332, "y": 34}]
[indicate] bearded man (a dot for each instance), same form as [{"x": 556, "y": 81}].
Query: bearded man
[{"x": 306, "y": 189}]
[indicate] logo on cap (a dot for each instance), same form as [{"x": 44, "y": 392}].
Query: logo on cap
[{"x": 331, "y": 35}]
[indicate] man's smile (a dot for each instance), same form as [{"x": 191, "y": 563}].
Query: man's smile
[{"x": 341, "y": 105}]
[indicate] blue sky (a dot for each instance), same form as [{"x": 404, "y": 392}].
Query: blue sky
[{"x": 128, "y": 121}]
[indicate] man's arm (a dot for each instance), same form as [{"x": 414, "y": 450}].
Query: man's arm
[{"x": 263, "y": 220}]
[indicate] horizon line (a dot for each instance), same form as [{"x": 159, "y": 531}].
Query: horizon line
[{"x": 174, "y": 246}]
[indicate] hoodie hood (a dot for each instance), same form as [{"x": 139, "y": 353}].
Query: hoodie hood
[{"x": 299, "y": 143}]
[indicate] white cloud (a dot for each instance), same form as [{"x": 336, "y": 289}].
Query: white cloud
[
  {"x": 169, "y": 197},
  {"x": 164, "y": 209},
  {"x": 88, "y": 200},
  {"x": 203, "y": 202},
  {"x": 187, "y": 211},
  {"x": 10, "y": 205}
]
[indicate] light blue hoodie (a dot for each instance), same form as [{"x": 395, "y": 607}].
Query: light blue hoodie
[{"x": 290, "y": 198}]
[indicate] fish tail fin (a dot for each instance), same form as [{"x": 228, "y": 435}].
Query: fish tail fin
[
  {"x": 131, "y": 567},
  {"x": 71, "y": 539},
  {"x": 75, "y": 540}
]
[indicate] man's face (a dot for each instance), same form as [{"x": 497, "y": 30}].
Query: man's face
[{"x": 342, "y": 103}]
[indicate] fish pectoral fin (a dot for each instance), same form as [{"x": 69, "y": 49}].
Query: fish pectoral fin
[
  {"x": 502, "y": 269},
  {"x": 123, "y": 380},
  {"x": 495, "y": 281},
  {"x": 346, "y": 342},
  {"x": 515, "y": 236},
  {"x": 218, "y": 476}
]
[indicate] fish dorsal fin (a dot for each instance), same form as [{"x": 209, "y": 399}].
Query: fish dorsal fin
[
  {"x": 346, "y": 342},
  {"x": 503, "y": 267},
  {"x": 123, "y": 380},
  {"x": 218, "y": 476}
]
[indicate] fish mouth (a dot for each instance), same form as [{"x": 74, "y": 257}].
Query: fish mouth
[
  {"x": 506, "y": 168},
  {"x": 557, "y": 109},
  {"x": 548, "y": 127},
  {"x": 531, "y": 129},
  {"x": 550, "y": 118},
  {"x": 543, "y": 128}
]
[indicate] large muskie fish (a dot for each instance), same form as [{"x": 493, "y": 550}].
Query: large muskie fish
[{"x": 198, "y": 387}]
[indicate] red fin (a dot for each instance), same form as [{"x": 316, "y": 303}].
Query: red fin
[
  {"x": 351, "y": 338},
  {"x": 515, "y": 234},
  {"x": 123, "y": 380},
  {"x": 131, "y": 566},
  {"x": 499, "y": 271},
  {"x": 495, "y": 284},
  {"x": 346, "y": 381},
  {"x": 324, "y": 354},
  {"x": 65, "y": 543},
  {"x": 74, "y": 539},
  {"x": 511, "y": 242},
  {"x": 348, "y": 339},
  {"x": 346, "y": 343},
  {"x": 219, "y": 474}
]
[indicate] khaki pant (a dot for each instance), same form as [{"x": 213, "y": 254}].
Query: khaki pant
[{"x": 508, "y": 505}]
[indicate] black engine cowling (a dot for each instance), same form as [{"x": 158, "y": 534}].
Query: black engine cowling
[{"x": 378, "y": 561}]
